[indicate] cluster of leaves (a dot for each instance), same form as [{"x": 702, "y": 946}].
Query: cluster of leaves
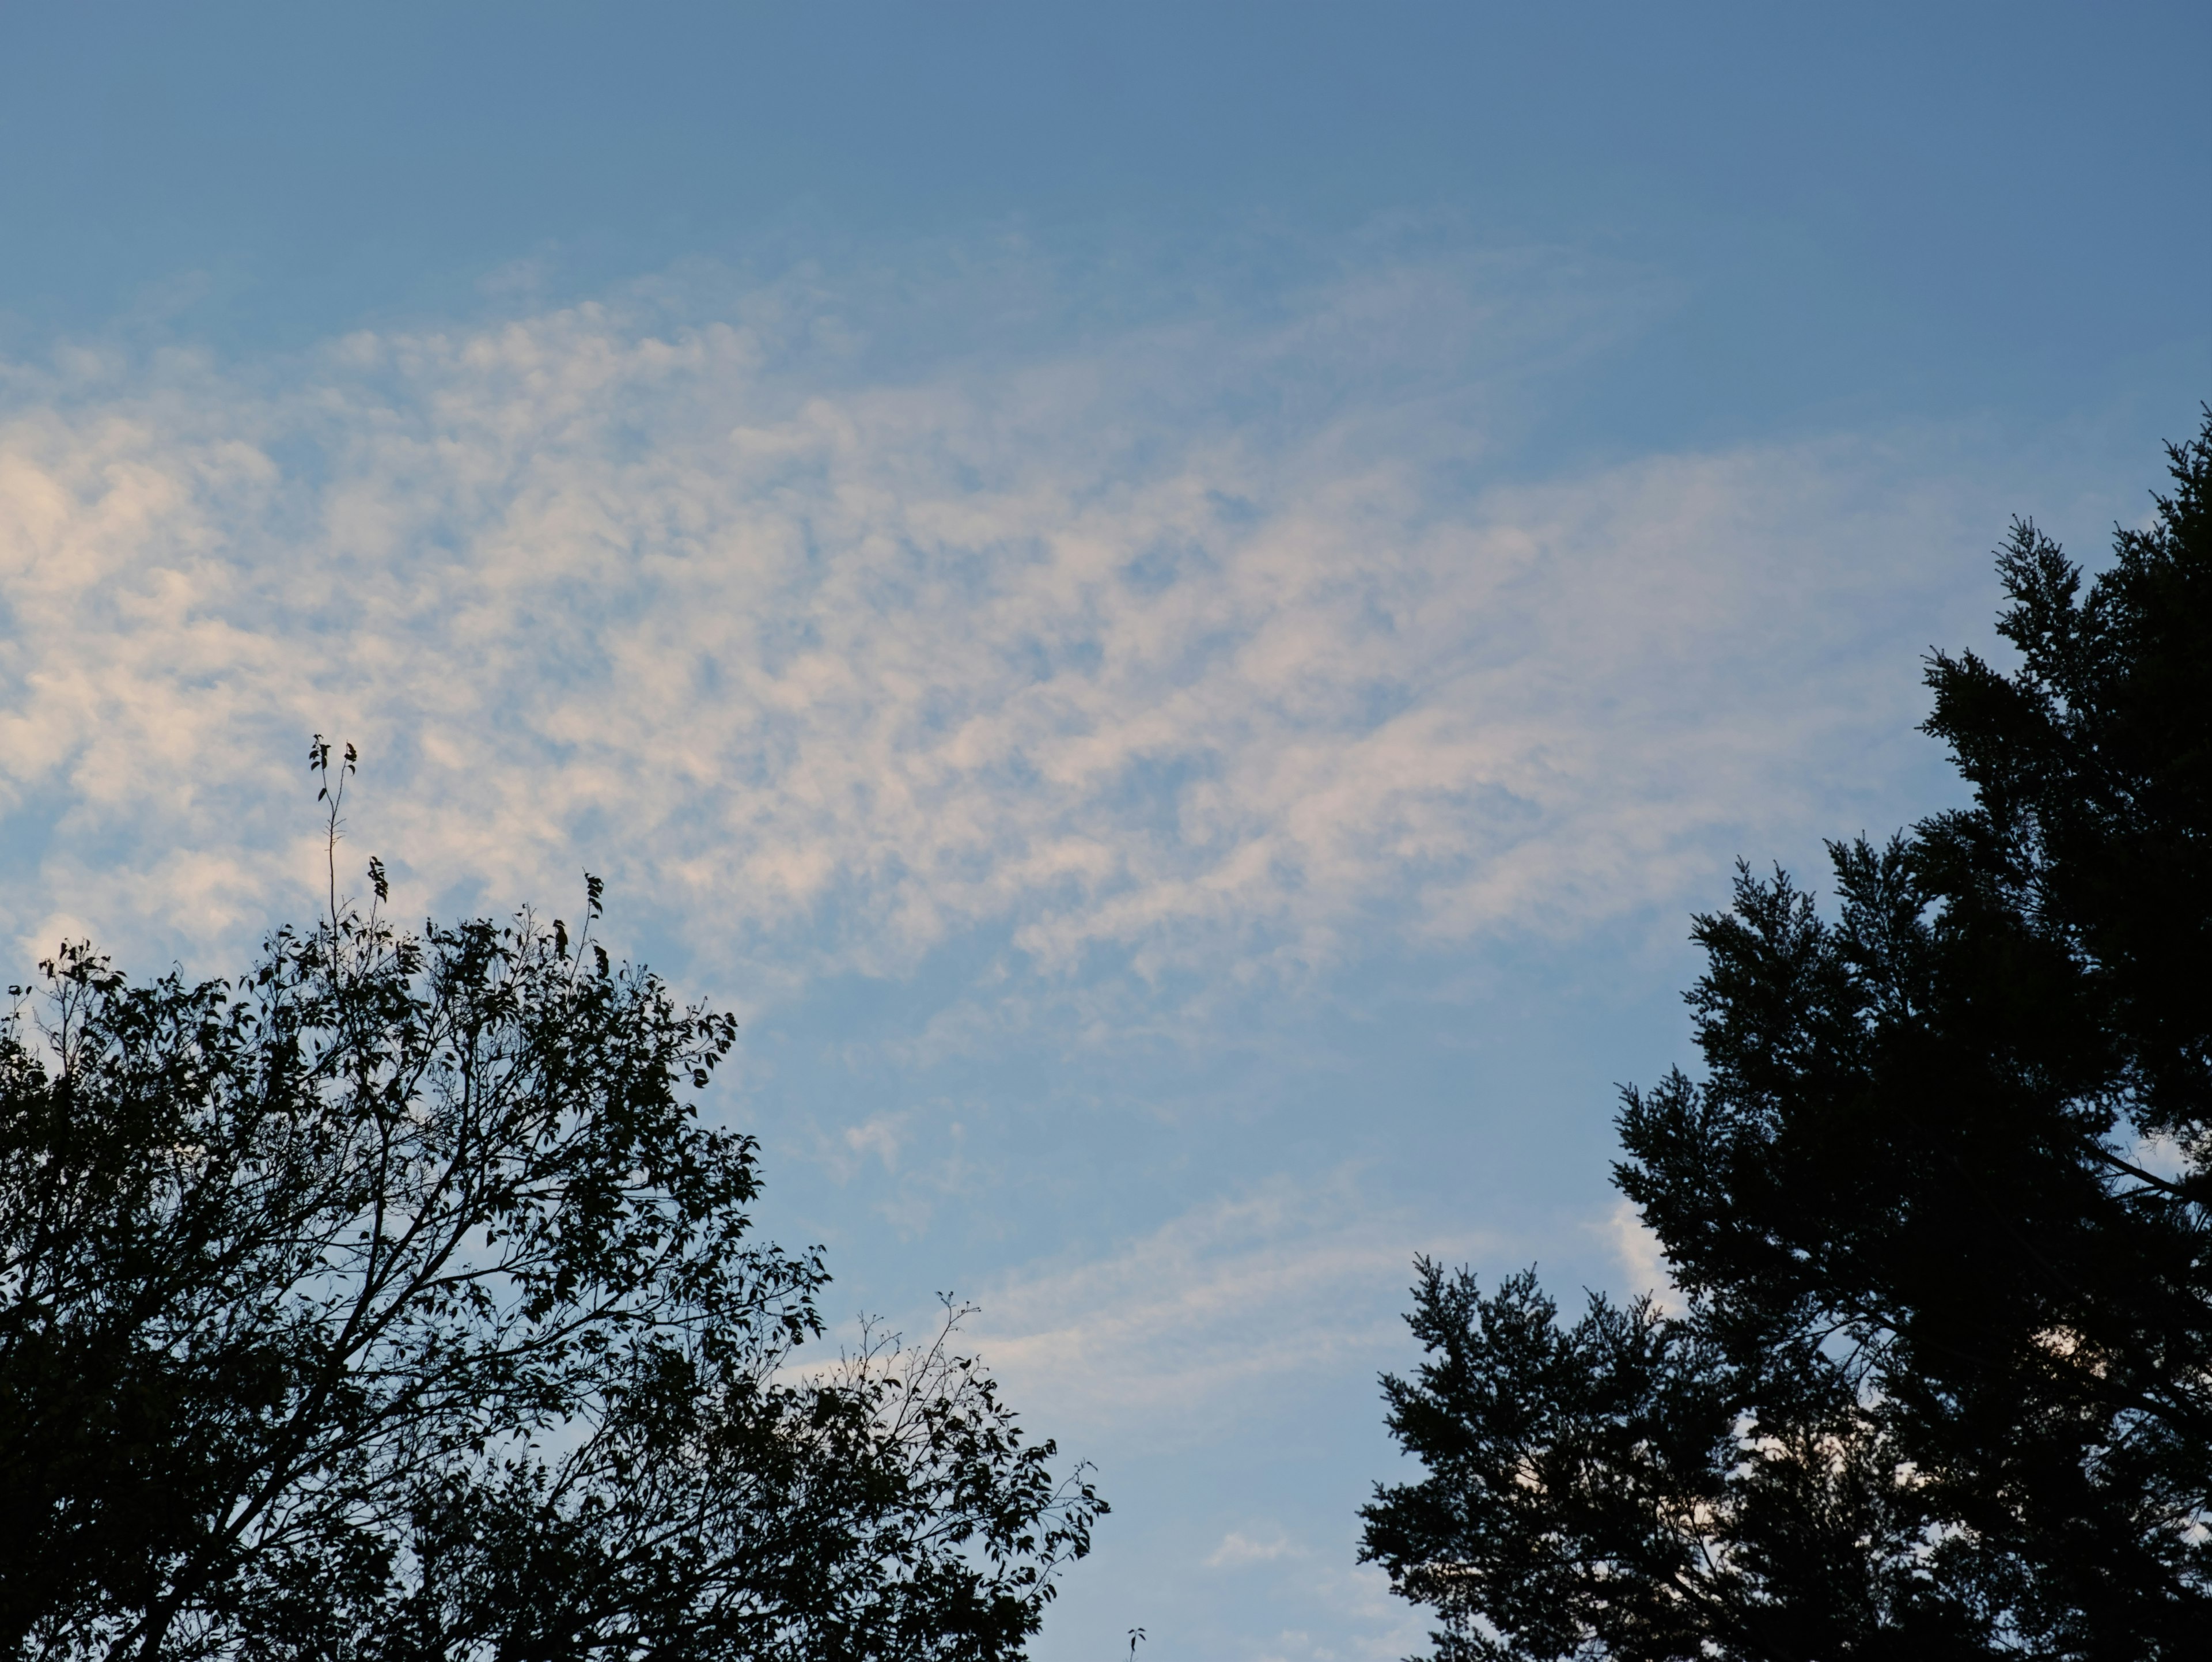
[
  {"x": 392, "y": 1302},
  {"x": 1941, "y": 1210}
]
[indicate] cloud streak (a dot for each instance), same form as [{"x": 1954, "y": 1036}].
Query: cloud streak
[{"x": 1233, "y": 1312}]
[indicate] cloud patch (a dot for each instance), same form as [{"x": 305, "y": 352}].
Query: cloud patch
[
  {"x": 1230, "y": 1313},
  {"x": 1238, "y": 1550},
  {"x": 1143, "y": 650}
]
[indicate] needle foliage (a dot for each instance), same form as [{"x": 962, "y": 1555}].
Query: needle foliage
[{"x": 1941, "y": 1385}]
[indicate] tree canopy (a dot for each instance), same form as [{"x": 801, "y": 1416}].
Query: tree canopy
[
  {"x": 391, "y": 1301},
  {"x": 1939, "y": 1210}
]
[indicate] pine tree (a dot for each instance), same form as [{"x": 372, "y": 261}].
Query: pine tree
[{"x": 1939, "y": 1207}]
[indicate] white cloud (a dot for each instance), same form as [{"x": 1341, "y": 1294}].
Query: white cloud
[
  {"x": 826, "y": 671},
  {"x": 1359, "y": 1621},
  {"x": 877, "y": 1140},
  {"x": 1232, "y": 1311},
  {"x": 879, "y": 1136},
  {"x": 1237, "y": 1550},
  {"x": 1641, "y": 1257}
]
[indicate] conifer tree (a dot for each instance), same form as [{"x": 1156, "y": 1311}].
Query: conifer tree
[{"x": 1940, "y": 1205}]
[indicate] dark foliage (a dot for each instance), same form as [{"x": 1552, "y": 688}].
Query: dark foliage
[
  {"x": 392, "y": 1303},
  {"x": 1939, "y": 1209}
]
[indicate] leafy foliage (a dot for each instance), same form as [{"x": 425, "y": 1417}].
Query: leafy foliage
[
  {"x": 392, "y": 1302},
  {"x": 1939, "y": 1207}
]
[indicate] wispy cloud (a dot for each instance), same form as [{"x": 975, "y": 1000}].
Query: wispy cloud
[
  {"x": 1148, "y": 648},
  {"x": 1352, "y": 1617},
  {"x": 1237, "y": 1550},
  {"x": 1232, "y": 1311},
  {"x": 1642, "y": 1261}
]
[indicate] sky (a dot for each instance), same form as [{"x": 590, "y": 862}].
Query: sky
[{"x": 1176, "y": 605}]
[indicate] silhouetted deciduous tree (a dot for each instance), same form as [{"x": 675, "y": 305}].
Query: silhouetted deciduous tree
[
  {"x": 1939, "y": 1207},
  {"x": 391, "y": 1302}
]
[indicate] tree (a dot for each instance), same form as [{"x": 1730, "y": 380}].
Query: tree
[
  {"x": 390, "y": 1302},
  {"x": 1940, "y": 1209}
]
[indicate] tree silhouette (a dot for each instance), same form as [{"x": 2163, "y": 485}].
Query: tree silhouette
[
  {"x": 1939, "y": 1207},
  {"x": 389, "y": 1301}
]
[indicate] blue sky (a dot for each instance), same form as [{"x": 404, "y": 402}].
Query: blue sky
[{"x": 1175, "y": 604}]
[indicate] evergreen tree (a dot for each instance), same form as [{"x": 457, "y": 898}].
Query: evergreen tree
[{"x": 1939, "y": 1208}]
